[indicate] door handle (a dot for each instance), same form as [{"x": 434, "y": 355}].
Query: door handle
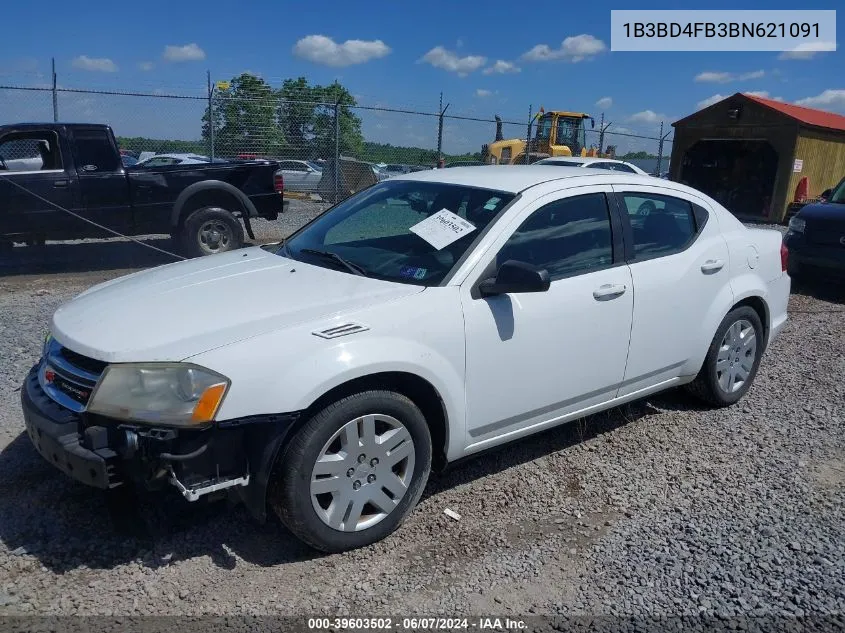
[
  {"x": 712, "y": 266},
  {"x": 60, "y": 183},
  {"x": 608, "y": 291}
]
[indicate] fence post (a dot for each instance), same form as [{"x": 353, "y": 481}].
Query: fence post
[
  {"x": 528, "y": 134},
  {"x": 440, "y": 133},
  {"x": 55, "y": 95},
  {"x": 210, "y": 114},
  {"x": 660, "y": 149},
  {"x": 337, "y": 151}
]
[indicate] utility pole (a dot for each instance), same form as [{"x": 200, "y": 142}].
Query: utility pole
[
  {"x": 55, "y": 95},
  {"x": 528, "y": 133},
  {"x": 663, "y": 138},
  {"x": 440, "y": 131},
  {"x": 210, "y": 113},
  {"x": 602, "y": 130}
]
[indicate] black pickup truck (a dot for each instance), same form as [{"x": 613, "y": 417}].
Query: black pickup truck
[{"x": 55, "y": 176}]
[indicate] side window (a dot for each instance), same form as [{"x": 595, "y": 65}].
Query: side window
[
  {"x": 621, "y": 167},
  {"x": 565, "y": 237},
  {"x": 604, "y": 166},
  {"x": 30, "y": 151},
  {"x": 661, "y": 225},
  {"x": 94, "y": 147}
]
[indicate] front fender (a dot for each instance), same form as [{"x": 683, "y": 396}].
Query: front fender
[{"x": 289, "y": 369}]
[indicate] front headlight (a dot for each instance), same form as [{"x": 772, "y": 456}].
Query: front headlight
[
  {"x": 797, "y": 225},
  {"x": 175, "y": 394}
]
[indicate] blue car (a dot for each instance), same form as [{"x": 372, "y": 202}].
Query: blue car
[{"x": 816, "y": 236}]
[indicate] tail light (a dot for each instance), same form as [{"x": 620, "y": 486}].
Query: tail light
[
  {"x": 279, "y": 183},
  {"x": 784, "y": 257}
]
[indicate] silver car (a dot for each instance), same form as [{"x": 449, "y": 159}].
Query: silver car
[{"x": 300, "y": 175}]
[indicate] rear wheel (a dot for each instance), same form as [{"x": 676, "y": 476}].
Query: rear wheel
[
  {"x": 732, "y": 359},
  {"x": 209, "y": 231},
  {"x": 351, "y": 475}
]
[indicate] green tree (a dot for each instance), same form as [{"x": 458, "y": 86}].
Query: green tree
[
  {"x": 351, "y": 138},
  {"x": 245, "y": 119},
  {"x": 296, "y": 117}
]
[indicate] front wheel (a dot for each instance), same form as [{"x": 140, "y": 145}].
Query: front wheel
[
  {"x": 351, "y": 475},
  {"x": 732, "y": 359},
  {"x": 209, "y": 231}
]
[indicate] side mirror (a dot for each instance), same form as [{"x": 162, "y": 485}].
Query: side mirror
[
  {"x": 514, "y": 276},
  {"x": 826, "y": 193}
]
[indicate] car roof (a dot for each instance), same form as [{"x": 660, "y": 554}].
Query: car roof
[{"x": 517, "y": 178}]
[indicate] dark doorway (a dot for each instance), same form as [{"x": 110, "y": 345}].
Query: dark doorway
[{"x": 740, "y": 175}]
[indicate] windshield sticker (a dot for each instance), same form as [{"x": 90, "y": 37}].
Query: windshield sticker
[
  {"x": 442, "y": 228},
  {"x": 413, "y": 272},
  {"x": 491, "y": 203}
]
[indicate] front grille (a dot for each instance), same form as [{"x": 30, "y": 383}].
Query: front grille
[
  {"x": 91, "y": 365},
  {"x": 67, "y": 377}
]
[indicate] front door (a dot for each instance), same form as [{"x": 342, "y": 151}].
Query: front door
[
  {"x": 533, "y": 358},
  {"x": 103, "y": 186}
]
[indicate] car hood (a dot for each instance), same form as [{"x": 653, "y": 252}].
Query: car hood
[
  {"x": 179, "y": 310},
  {"x": 823, "y": 211}
]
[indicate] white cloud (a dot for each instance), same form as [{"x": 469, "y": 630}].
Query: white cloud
[
  {"x": 146, "y": 66},
  {"x": 648, "y": 117},
  {"x": 99, "y": 64},
  {"x": 439, "y": 57},
  {"x": 604, "y": 103},
  {"x": 828, "y": 100},
  {"x": 724, "y": 78},
  {"x": 501, "y": 67},
  {"x": 754, "y": 74},
  {"x": 572, "y": 49},
  {"x": 808, "y": 50},
  {"x": 481, "y": 92},
  {"x": 709, "y": 101},
  {"x": 187, "y": 53},
  {"x": 324, "y": 50},
  {"x": 714, "y": 77}
]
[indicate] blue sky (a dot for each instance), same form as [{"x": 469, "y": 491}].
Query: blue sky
[{"x": 484, "y": 57}]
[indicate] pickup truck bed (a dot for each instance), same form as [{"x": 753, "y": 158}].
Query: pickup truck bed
[{"x": 47, "y": 170}]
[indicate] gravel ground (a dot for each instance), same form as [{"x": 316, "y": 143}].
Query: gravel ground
[{"x": 658, "y": 508}]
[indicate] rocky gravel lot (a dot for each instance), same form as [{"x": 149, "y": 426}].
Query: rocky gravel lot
[{"x": 659, "y": 508}]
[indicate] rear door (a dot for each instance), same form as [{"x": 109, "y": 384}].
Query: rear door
[
  {"x": 103, "y": 194},
  {"x": 33, "y": 184},
  {"x": 679, "y": 266}
]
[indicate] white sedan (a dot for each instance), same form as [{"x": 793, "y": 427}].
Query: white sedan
[
  {"x": 586, "y": 162},
  {"x": 423, "y": 319}
]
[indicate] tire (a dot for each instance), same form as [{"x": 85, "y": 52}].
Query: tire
[
  {"x": 209, "y": 231},
  {"x": 320, "y": 520},
  {"x": 709, "y": 385}
]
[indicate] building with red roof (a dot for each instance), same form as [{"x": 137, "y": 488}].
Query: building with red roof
[{"x": 752, "y": 154}]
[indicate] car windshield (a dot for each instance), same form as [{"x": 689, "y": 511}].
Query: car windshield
[
  {"x": 399, "y": 230},
  {"x": 314, "y": 166}
]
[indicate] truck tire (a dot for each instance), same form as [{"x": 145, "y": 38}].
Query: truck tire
[
  {"x": 353, "y": 472},
  {"x": 209, "y": 231}
]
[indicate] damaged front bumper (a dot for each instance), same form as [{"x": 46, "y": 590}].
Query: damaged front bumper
[{"x": 232, "y": 455}]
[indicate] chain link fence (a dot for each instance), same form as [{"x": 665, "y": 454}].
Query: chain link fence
[{"x": 305, "y": 127}]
